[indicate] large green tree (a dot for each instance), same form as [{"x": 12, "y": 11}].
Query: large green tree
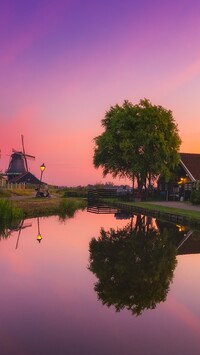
[{"x": 139, "y": 142}]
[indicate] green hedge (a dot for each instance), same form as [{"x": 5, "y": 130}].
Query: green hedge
[{"x": 195, "y": 197}]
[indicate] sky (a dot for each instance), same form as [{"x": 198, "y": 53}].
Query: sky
[{"x": 64, "y": 63}]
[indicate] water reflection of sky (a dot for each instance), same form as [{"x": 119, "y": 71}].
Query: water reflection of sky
[{"x": 48, "y": 304}]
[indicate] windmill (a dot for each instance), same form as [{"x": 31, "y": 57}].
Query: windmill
[{"x": 18, "y": 163}]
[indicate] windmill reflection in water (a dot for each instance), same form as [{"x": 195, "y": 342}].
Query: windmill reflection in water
[{"x": 23, "y": 226}]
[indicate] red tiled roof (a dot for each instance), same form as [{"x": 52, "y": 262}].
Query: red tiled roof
[{"x": 192, "y": 164}]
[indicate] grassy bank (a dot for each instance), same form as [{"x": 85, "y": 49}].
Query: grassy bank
[
  {"x": 36, "y": 207},
  {"x": 191, "y": 216},
  {"x": 8, "y": 212},
  {"x": 180, "y": 211},
  {"x": 9, "y": 216},
  {"x": 16, "y": 192}
]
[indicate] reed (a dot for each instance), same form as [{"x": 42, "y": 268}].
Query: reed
[
  {"x": 9, "y": 216},
  {"x": 38, "y": 207},
  {"x": 8, "y": 212},
  {"x": 68, "y": 207}
]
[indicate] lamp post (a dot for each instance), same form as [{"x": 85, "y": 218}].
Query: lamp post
[{"x": 42, "y": 168}]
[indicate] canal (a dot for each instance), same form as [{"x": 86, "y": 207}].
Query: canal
[{"x": 99, "y": 284}]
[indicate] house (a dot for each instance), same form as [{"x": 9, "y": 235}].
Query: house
[
  {"x": 26, "y": 178},
  {"x": 183, "y": 181},
  {"x": 191, "y": 165}
]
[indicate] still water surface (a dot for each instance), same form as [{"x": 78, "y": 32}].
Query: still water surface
[{"x": 59, "y": 296}]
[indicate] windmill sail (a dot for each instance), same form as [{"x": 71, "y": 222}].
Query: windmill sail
[{"x": 25, "y": 160}]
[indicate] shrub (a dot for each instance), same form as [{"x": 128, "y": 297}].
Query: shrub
[
  {"x": 195, "y": 197},
  {"x": 75, "y": 193},
  {"x": 9, "y": 216},
  {"x": 9, "y": 212},
  {"x": 67, "y": 208}
]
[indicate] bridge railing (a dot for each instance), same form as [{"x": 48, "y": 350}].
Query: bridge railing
[{"x": 96, "y": 194}]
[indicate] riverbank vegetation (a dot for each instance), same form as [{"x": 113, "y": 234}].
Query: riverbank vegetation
[
  {"x": 13, "y": 212},
  {"x": 8, "y": 211},
  {"x": 9, "y": 215},
  {"x": 195, "y": 197},
  {"x": 65, "y": 201},
  {"x": 36, "y": 207},
  {"x": 4, "y": 193},
  {"x": 179, "y": 211},
  {"x": 184, "y": 212}
]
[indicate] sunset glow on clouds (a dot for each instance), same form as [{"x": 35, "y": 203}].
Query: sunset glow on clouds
[{"x": 64, "y": 63}]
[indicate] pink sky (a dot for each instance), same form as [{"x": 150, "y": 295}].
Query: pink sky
[{"x": 64, "y": 63}]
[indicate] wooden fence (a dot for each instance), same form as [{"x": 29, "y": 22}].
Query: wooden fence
[
  {"x": 11, "y": 186},
  {"x": 96, "y": 194}
]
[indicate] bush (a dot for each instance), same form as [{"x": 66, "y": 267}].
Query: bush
[
  {"x": 67, "y": 208},
  {"x": 9, "y": 216},
  {"x": 195, "y": 197},
  {"x": 9, "y": 212},
  {"x": 81, "y": 194}
]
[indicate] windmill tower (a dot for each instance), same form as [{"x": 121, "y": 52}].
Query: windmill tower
[{"x": 18, "y": 162}]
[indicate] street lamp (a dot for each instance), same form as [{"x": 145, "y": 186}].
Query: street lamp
[{"x": 42, "y": 168}]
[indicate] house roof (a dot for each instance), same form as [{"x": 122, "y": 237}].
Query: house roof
[
  {"x": 27, "y": 178},
  {"x": 191, "y": 164}
]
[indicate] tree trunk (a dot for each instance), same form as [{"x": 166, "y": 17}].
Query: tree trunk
[{"x": 133, "y": 183}]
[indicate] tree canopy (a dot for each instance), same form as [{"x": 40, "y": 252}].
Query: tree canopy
[{"x": 139, "y": 142}]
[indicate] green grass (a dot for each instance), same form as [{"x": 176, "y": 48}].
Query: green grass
[
  {"x": 9, "y": 216},
  {"x": 190, "y": 214},
  {"x": 179, "y": 211},
  {"x": 69, "y": 206},
  {"x": 12, "y": 212},
  {"x": 8, "y": 211},
  {"x": 5, "y": 193},
  {"x": 28, "y": 191},
  {"x": 38, "y": 207}
]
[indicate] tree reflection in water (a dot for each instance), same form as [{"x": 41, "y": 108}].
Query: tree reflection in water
[{"x": 134, "y": 265}]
